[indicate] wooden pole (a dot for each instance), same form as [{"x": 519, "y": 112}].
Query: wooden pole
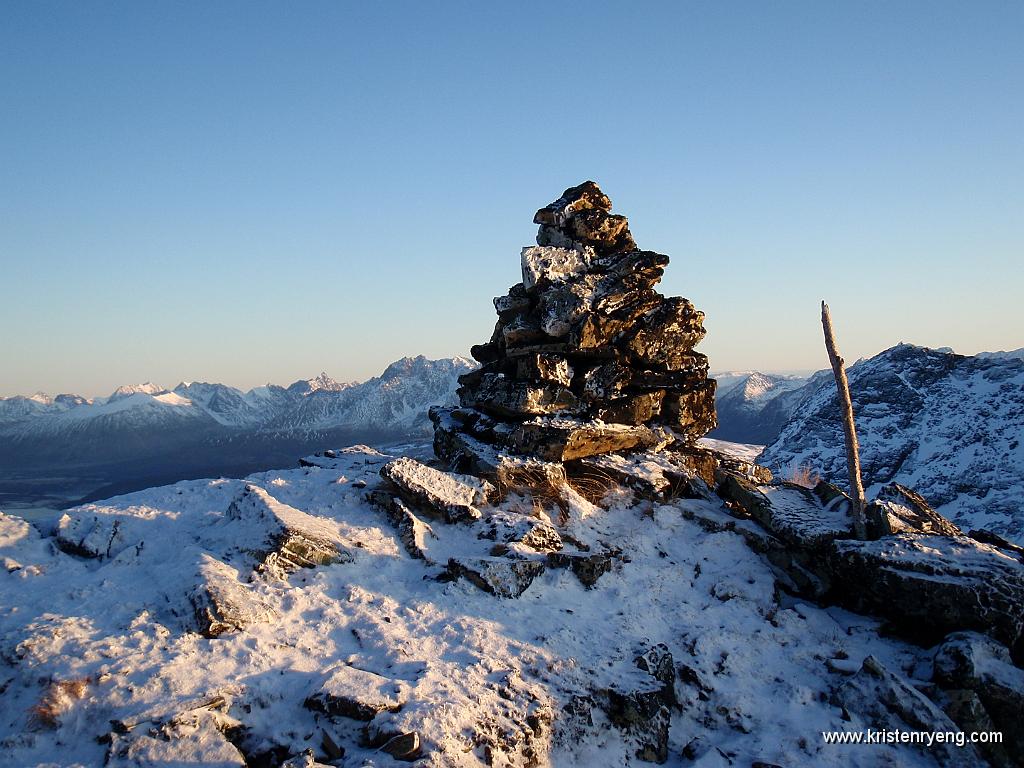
[{"x": 849, "y": 428}]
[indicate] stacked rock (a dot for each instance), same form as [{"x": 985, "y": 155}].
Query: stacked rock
[{"x": 586, "y": 356}]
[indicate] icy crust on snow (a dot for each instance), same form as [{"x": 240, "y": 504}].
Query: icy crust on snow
[{"x": 470, "y": 673}]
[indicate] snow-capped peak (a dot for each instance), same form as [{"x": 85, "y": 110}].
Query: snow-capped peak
[
  {"x": 149, "y": 388},
  {"x": 321, "y": 383}
]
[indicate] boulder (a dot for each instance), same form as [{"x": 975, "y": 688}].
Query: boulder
[
  {"x": 518, "y": 399},
  {"x": 496, "y": 575},
  {"x": 585, "y": 196},
  {"x": 357, "y": 694},
  {"x": 969, "y": 661},
  {"x": 929, "y": 586},
  {"x": 453, "y": 497},
  {"x": 282, "y": 538},
  {"x": 898, "y": 509}
]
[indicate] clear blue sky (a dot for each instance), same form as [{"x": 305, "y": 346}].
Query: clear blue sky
[{"x": 251, "y": 191}]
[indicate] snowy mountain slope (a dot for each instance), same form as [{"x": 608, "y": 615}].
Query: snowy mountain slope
[
  {"x": 100, "y": 662},
  {"x": 949, "y": 426},
  {"x": 398, "y": 399},
  {"x": 753, "y": 406}
]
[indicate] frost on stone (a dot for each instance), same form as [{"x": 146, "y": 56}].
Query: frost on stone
[
  {"x": 282, "y": 538},
  {"x": 933, "y": 585},
  {"x": 498, "y": 576},
  {"x": 545, "y": 265},
  {"x": 452, "y": 496},
  {"x": 884, "y": 700},
  {"x": 357, "y": 694},
  {"x": 192, "y": 738},
  {"x": 222, "y": 603}
]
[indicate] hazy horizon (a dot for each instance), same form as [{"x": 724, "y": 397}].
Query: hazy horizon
[
  {"x": 171, "y": 384},
  {"x": 250, "y": 192}
]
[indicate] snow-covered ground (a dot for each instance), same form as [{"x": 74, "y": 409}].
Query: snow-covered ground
[{"x": 85, "y": 641}]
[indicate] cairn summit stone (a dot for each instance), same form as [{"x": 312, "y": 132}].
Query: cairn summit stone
[{"x": 587, "y": 357}]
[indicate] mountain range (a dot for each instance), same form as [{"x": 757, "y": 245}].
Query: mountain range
[
  {"x": 60, "y": 448},
  {"x": 949, "y": 426}
]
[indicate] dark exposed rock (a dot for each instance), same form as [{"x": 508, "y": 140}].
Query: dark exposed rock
[
  {"x": 565, "y": 439},
  {"x": 412, "y": 532},
  {"x": 531, "y": 532},
  {"x": 586, "y": 336},
  {"x": 502, "y": 396},
  {"x": 404, "y": 746},
  {"x": 588, "y": 568},
  {"x": 898, "y": 509},
  {"x": 642, "y": 711},
  {"x": 994, "y": 539},
  {"x": 585, "y": 196}
]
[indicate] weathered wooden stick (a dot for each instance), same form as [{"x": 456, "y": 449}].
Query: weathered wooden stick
[{"x": 850, "y": 429}]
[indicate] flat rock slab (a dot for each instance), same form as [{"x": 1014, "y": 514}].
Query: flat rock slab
[
  {"x": 502, "y": 396},
  {"x": 795, "y": 515},
  {"x": 454, "y": 497},
  {"x": 933, "y": 585},
  {"x": 566, "y": 439},
  {"x": 281, "y": 537},
  {"x": 357, "y": 694}
]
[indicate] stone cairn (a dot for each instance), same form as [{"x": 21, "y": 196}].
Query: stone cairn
[{"x": 586, "y": 357}]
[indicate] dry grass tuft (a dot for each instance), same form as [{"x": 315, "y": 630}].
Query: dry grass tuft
[
  {"x": 594, "y": 485},
  {"x": 56, "y": 700},
  {"x": 803, "y": 475}
]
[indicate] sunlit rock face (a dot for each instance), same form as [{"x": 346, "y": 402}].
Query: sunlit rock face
[{"x": 586, "y": 357}]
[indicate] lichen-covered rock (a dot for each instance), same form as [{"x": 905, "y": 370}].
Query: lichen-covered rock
[
  {"x": 454, "y": 497},
  {"x": 566, "y": 439}
]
